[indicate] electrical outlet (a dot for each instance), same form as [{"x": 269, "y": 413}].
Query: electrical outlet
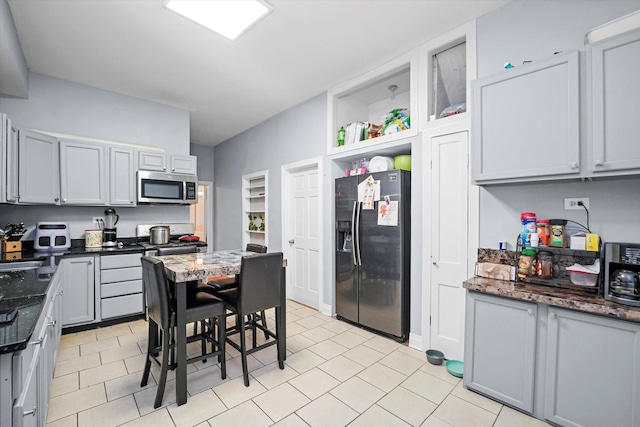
[
  {"x": 96, "y": 220},
  {"x": 572, "y": 203}
]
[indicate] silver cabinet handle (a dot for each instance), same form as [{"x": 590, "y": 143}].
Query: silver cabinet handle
[
  {"x": 164, "y": 168},
  {"x": 552, "y": 315},
  {"x": 52, "y": 322},
  {"x": 173, "y": 169},
  {"x": 573, "y": 165},
  {"x": 37, "y": 342},
  {"x": 130, "y": 201},
  {"x": 530, "y": 311},
  {"x": 30, "y": 412},
  {"x": 56, "y": 199},
  {"x": 89, "y": 262},
  {"x": 291, "y": 242},
  {"x": 598, "y": 163}
]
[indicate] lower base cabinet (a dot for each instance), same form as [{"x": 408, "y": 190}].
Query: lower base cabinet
[{"x": 570, "y": 368}]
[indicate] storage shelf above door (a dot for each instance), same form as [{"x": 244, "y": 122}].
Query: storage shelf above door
[{"x": 255, "y": 208}]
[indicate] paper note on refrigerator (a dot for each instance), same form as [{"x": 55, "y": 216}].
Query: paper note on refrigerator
[
  {"x": 367, "y": 190},
  {"x": 388, "y": 213}
]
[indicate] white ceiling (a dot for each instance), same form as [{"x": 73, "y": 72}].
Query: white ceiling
[{"x": 301, "y": 49}]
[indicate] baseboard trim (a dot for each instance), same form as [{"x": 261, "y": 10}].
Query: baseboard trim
[
  {"x": 325, "y": 309},
  {"x": 415, "y": 341}
]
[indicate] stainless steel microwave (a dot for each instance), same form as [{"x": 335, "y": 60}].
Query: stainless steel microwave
[{"x": 166, "y": 188}]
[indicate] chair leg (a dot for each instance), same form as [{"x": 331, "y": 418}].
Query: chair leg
[
  {"x": 252, "y": 325},
  {"x": 264, "y": 323},
  {"x": 279, "y": 338},
  {"x": 166, "y": 349},
  {"x": 222, "y": 343},
  {"x": 243, "y": 352},
  {"x": 150, "y": 349},
  {"x": 203, "y": 342}
]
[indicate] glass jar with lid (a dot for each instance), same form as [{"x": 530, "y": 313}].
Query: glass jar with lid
[{"x": 544, "y": 265}]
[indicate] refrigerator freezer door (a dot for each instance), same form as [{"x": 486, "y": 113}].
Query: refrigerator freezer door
[
  {"x": 383, "y": 273},
  {"x": 346, "y": 193}
]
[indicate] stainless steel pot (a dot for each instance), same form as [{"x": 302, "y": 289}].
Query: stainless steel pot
[{"x": 159, "y": 234}]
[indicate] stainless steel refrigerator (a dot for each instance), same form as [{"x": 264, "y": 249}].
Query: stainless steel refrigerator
[{"x": 373, "y": 252}]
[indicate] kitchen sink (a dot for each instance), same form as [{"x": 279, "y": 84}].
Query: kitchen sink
[{"x": 20, "y": 265}]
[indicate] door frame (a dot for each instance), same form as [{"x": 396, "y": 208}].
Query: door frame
[
  {"x": 209, "y": 186},
  {"x": 287, "y": 172}
]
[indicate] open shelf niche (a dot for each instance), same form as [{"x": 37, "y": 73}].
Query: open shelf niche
[{"x": 255, "y": 208}]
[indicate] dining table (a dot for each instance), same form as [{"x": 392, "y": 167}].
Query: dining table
[{"x": 184, "y": 268}]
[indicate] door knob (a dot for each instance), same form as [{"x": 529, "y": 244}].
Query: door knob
[{"x": 291, "y": 242}]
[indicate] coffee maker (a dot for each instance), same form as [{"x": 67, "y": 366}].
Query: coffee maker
[
  {"x": 622, "y": 273},
  {"x": 110, "y": 221}
]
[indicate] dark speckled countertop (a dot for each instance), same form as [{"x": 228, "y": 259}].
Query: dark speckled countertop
[
  {"x": 557, "y": 297},
  {"x": 25, "y": 290}
]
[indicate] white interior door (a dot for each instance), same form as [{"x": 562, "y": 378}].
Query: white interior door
[
  {"x": 303, "y": 236},
  {"x": 449, "y": 240},
  {"x": 200, "y": 214}
]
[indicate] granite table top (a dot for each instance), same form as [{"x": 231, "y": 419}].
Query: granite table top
[
  {"x": 557, "y": 297},
  {"x": 198, "y": 266}
]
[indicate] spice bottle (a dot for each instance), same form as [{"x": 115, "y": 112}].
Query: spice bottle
[{"x": 526, "y": 262}]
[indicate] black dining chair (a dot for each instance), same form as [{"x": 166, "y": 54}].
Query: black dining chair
[
  {"x": 201, "y": 307},
  {"x": 260, "y": 287},
  {"x": 227, "y": 282}
]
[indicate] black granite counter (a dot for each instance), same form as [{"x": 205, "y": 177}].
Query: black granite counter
[{"x": 25, "y": 290}]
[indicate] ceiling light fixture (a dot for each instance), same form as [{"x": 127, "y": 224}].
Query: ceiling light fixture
[{"x": 229, "y": 18}]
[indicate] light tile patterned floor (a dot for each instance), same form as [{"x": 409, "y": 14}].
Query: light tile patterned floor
[{"x": 335, "y": 375}]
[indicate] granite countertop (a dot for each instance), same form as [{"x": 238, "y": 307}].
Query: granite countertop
[
  {"x": 557, "y": 297},
  {"x": 198, "y": 266},
  {"x": 26, "y": 289}
]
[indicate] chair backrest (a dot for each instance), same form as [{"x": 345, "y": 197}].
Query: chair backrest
[
  {"x": 254, "y": 247},
  {"x": 260, "y": 284},
  {"x": 157, "y": 291},
  {"x": 177, "y": 250}
]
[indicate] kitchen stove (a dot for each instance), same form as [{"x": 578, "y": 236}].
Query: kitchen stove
[{"x": 176, "y": 231}]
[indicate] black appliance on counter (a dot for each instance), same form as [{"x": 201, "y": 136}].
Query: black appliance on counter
[
  {"x": 622, "y": 273},
  {"x": 373, "y": 255},
  {"x": 177, "y": 230}
]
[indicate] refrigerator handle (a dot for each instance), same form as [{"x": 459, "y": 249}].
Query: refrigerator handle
[
  {"x": 357, "y": 238},
  {"x": 353, "y": 234}
]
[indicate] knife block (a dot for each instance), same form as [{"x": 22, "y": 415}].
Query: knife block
[{"x": 11, "y": 246}]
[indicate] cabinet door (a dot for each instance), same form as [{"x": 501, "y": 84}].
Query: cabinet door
[
  {"x": 526, "y": 122},
  {"x": 38, "y": 180},
  {"x": 122, "y": 177},
  {"x": 615, "y": 103},
  {"x": 83, "y": 173},
  {"x": 12, "y": 163},
  {"x": 152, "y": 161},
  {"x": 26, "y": 412},
  {"x": 78, "y": 285},
  {"x": 184, "y": 164},
  {"x": 593, "y": 370},
  {"x": 500, "y": 344}
]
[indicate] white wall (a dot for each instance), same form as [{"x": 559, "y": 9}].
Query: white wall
[
  {"x": 532, "y": 30},
  {"x": 14, "y": 72}
]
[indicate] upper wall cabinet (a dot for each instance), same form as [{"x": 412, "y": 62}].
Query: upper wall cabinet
[
  {"x": 122, "y": 176},
  {"x": 526, "y": 122},
  {"x": 152, "y": 161},
  {"x": 366, "y": 101},
  {"x": 615, "y": 103},
  {"x": 83, "y": 173},
  {"x": 38, "y": 168}
]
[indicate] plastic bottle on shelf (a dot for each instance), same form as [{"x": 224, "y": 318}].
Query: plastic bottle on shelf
[
  {"x": 528, "y": 220},
  {"x": 341, "y": 135}
]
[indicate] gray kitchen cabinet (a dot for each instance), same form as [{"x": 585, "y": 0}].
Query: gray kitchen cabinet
[
  {"x": 523, "y": 112},
  {"x": 33, "y": 367},
  {"x": 38, "y": 171},
  {"x": 153, "y": 161},
  {"x": 121, "y": 290},
  {"x": 83, "y": 173},
  {"x": 122, "y": 176},
  {"x": 615, "y": 103},
  {"x": 592, "y": 371},
  {"x": 500, "y": 349},
  {"x": 78, "y": 290},
  {"x": 8, "y": 161}
]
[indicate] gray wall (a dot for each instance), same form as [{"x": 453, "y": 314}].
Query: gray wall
[
  {"x": 60, "y": 106},
  {"x": 14, "y": 73},
  {"x": 532, "y": 30},
  {"x": 205, "y": 155}
]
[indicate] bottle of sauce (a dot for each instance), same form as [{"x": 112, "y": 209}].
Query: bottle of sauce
[{"x": 341, "y": 135}]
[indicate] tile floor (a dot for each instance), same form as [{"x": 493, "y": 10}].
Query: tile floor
[{"x": 335, "y": 375}]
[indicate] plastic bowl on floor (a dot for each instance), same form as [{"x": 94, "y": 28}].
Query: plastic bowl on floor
[
  {"x": 435, "y": 357},
  {"x": 455, "y": 367}
]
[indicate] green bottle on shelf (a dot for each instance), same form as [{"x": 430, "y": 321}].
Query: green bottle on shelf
[{"x": 341, "y": 134}]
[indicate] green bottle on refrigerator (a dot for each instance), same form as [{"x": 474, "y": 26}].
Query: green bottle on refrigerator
[{"x": 341, "y": 134}]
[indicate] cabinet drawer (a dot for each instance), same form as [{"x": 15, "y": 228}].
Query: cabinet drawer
[
  {"x": 121, "y": 275},
  {"x": 121, "y": 306},
  {"x": 119, "y": 261},
  {"x": 120, "y": 288}
]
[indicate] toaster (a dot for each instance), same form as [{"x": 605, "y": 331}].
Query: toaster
[{"x": 52, "y": 236}]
